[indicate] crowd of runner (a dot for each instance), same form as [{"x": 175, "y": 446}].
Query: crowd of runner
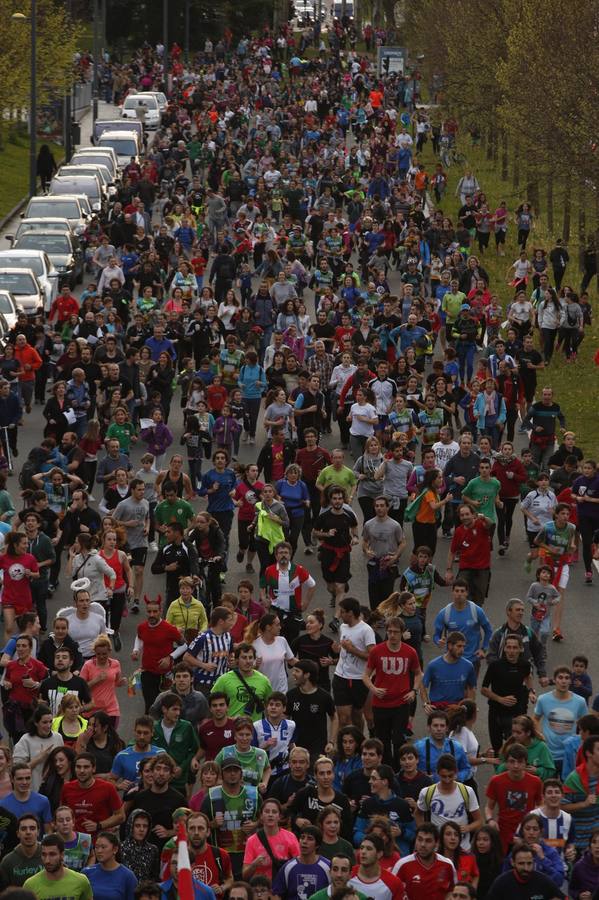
[{"x": 280, "y": 281}]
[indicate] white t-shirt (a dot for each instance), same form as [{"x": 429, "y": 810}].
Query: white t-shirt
[
  {"x": 467, "y": 739},
  {"x": 362, "y": 636},
  {"x": 85, "y": 631},
  {"x": 449, "y": 808},
  {"x": 358, "y": 428},
  {"x": 273, "y": 658},
  {"x": 444, "y": 452}
]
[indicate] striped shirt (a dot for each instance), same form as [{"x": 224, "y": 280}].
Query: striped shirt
[{"x": 214, "y": 648}]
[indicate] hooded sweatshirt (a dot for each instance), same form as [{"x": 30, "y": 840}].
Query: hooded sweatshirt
[{"x": 142, "y": 858}]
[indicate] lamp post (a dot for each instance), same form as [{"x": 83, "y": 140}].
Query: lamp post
[
  {"x": 187, "y": 4},
  {"x": 96, "y": 55},
  {"x": 32, "y": 19},
  {"x": 165, "y": 43}
]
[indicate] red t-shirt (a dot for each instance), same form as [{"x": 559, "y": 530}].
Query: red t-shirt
[
  {"x": 204, "y": 867},
  {"x": 16, "y": 590},
  {"x": 158, "y": 642},
  {"x": 312, "y": 462},
  {"x": 16, "y": 671},
  {"x": 473, "y": 545},
  {"x": 278, "y": 465},
  {"x": 392, "y": 670},
  {"x": 249, "y": 495},
  {"x": 98, "y": 802},
  {"x": 426, "y": 882},
  {"x": 214, "y": 737},
  {"x": 514, "y": 799},
  {"x": 238, "y": 629},
  {"x": 386, "y": 887}
]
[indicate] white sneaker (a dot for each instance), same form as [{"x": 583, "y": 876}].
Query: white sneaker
[
  {"x": 153, "y": 547},
  {"x": 91, "y": 497}
]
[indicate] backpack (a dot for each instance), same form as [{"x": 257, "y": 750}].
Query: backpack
[
  {"x": 428, "y": 797},
  {"x": 473, "y": 613}
]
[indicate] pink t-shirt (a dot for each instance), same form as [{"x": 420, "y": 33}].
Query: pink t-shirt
[
  {"x": 104, "y": 693},
  {"x": 284, "y": 845}
]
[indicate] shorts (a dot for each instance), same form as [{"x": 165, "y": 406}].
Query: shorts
[
  {"x": 138, "y": 556},
  {"x": 341, "y": 574},
  {"x": 349, "y": 692}
]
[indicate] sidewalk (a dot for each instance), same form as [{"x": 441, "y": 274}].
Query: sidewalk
[{"x": 105, "y": 111}]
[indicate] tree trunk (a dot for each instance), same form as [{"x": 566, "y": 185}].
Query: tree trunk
[
  {"x": 504, "y": 156},
  {"x": 516, "y": 170},
  {"x": 550, "y": 201},
  {"x": 582, "y": 215},
  {"x": 490, "y": 143},
  {"x": 567, "y": 210}
]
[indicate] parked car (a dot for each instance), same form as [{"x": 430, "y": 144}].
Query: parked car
[
  {"x": 25, "y": 288},
  {"x": 143, "y": 107},
  {"x": 45, "y": 224},
  {"x": 126, "y": 145},
  {"x": 40, "y": 264},
  {"x": 74, "y": 208},
  {"x": 63, "y": 249},
  {"x": 100, "y": 171},
  {"x": 103, "y": 155},
  {"x": 88, "y": 185},
  {"x": 127, "y": 124},
  {"x": 8, "y": 312}
]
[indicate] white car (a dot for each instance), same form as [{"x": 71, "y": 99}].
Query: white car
[
  {"x": 159, "y": 97},
  {"x": 8, "y": 308},
  {"x": 40, "y": 264},
  {"x": 25, "y": 288},
  {"x": 143, "y": 107}
]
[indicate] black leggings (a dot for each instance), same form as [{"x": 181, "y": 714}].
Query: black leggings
[
  {"x": 115, "y": 609},
  {"x": 367, "y": 507},
  {"x": 390, "y": 727},
  {"x": 505, "y": 516},
  {"x": 425, "y": 535},
  {"x": 587, "y": 527}
]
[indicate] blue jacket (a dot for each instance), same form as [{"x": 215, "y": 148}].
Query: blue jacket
[
  {"x": 479, "y": 411},
  {"x": 247, "y": 378},
  {"x": 429, "y": 753},
  {"x": 200, "y": 891},
  {"x": 10, "y": 410}
]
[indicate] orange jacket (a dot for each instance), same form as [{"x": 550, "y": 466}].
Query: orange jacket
[{"x": 28, "y": 356}]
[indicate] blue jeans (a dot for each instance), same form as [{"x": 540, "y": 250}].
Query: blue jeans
[{"x": 466, "y": 351}]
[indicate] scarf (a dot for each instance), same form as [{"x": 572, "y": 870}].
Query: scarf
[{"x": 490, "y": 406}]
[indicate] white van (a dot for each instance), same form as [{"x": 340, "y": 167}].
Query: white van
[{"x": 125, "y": 144}]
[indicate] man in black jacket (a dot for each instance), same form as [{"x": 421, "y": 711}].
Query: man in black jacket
[
  {"x": 266, "y": 456},
  {"x": 222, "y": 274},
  {"x": 176, "y": 559}
]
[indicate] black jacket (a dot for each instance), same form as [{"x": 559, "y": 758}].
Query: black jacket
[{"x": 264, "y": 461}]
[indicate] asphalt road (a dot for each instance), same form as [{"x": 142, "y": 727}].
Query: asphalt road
[{"x": 508, "y": 576}]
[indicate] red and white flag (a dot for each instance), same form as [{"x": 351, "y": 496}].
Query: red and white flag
[{"x": 183, "y": 864}]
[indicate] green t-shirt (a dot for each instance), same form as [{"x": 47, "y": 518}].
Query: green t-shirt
[
  {"x": 238, "y": 695},
  {"x": 122, "y": 433},
  {"x": 253, "y": 762},
  {"x": 325, "y": 893},
  {"x": 485, "y": 492},
  {"x": 451, "y": 304},
  {"x": 180, "y": 511},
  {"x": 345, "y": 478},
  {"x": 72, "y": 886},
  {"x": 341, "y": 846},
  {"x": 183, "y": 746}
]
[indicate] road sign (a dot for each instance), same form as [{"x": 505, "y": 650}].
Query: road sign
[{"x": 391, "y": 59}]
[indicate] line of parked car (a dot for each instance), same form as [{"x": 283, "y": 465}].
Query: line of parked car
[{"x": 46, "y": 250}]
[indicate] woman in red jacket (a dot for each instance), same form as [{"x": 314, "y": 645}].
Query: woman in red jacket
[{"x": 510, "y": 472}]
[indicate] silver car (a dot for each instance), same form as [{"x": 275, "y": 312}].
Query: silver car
[
  {"x": 25, "y": 288},
  {"x": 40, "y": 264},
  {"x": 63, "y": 249}
]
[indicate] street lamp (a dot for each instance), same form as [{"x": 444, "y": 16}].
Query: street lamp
[{"x": 32, "y": 18}]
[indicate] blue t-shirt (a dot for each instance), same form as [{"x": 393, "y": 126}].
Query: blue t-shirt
[
  {"x": 470, "y": 621},
  {"x": 293, "y": 496},
  {"x": 37, "y": 805},
  {"x": 117, "y": 884},
  {"x": 219, "y": 501},
  {"x": 447, "y": 682},
  {"x": 126, "y": 762},
  {"x": 559, "y": 719}
]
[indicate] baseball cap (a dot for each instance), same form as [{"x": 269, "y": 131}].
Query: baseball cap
[{"x": 230, "y": 763}]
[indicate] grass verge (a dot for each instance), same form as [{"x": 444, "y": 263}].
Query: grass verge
[
  {"x": 575, "y": 384},
  {"x": 14, "y": 163}
]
